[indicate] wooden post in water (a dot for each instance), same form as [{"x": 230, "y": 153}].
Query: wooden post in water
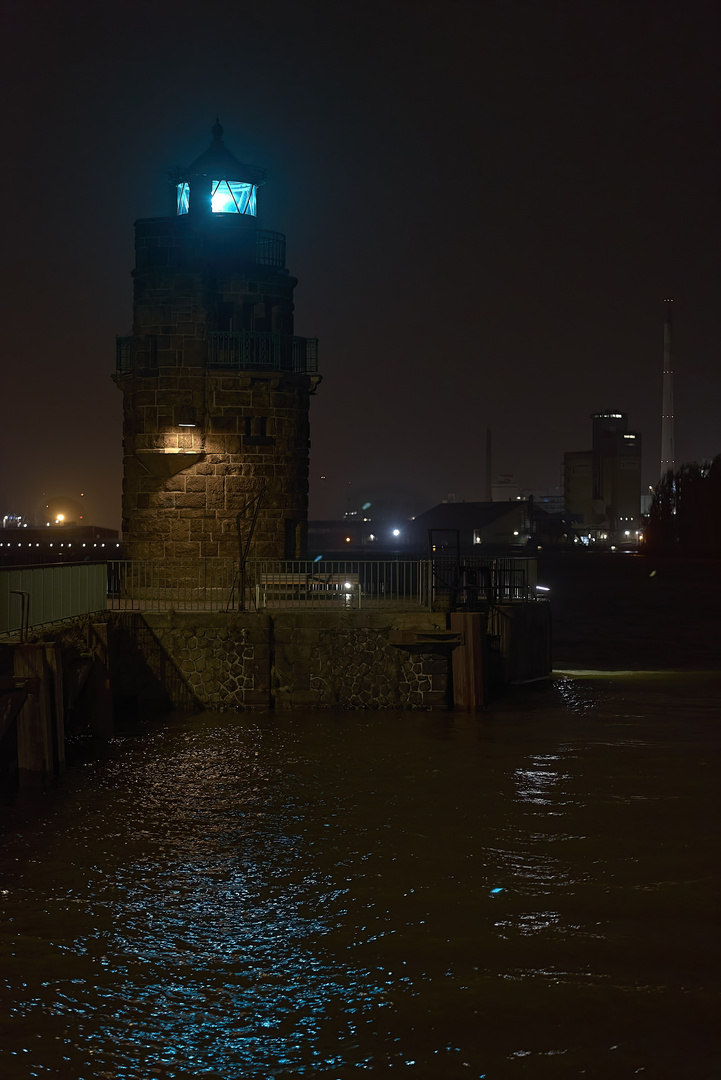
[
  {"x": 54, "y": 660},
  {"x": 34, "y": 722},
  {"x": 469, "y": 675},
  {"x": 101, "y": 716}
]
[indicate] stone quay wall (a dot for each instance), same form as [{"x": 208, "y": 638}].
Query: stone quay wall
[{"x": 289, "y": 660}]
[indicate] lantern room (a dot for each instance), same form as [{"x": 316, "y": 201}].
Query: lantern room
[{"x": 217, "y": 183}]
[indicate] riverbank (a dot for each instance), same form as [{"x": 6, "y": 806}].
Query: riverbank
[{"x": 633, "y": 612}]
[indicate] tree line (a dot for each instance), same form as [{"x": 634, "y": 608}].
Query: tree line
[{"x": 685, "y": 514}]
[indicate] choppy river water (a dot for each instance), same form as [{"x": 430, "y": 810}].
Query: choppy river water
[{"x": 532, "y": 892}]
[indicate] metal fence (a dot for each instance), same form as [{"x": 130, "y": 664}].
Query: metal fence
[
  {"x": 149, "y": 585},
  {"x": 270, "y": 248},
  {"x": 257, "y": 349},
  {"x": 337, "y": 583},
  {"x": 478, "y": 580},
  {"x": 235, "y": 349},
  {"x": 30, "y": 596},
  {"x": 222, "y": 585}
]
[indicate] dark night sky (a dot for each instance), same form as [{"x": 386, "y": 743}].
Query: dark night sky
[{"x": 485, "y": 204}]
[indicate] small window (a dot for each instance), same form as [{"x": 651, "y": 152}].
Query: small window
[{"x": 183, "y": 198}]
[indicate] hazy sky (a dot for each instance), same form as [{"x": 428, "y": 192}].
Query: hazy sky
[{"x": 485, "y": 203}]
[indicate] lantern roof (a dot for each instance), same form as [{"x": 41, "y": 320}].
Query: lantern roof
[{"x": 218, "y": 163}]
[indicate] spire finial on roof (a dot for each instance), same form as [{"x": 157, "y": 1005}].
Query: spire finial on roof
[{"x": 217, "y": 131}]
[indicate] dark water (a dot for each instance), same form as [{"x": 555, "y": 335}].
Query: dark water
[{"x": 531, "y": 893}]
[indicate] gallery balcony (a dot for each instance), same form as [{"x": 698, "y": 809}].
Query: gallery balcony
[
  {"x": 238, "y": 350},
  {"x": 254, "y": 349},
  {"x": 226, "y": 240}
]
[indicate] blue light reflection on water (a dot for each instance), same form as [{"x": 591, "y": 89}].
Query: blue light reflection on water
[{"x": 313, "y": 895}]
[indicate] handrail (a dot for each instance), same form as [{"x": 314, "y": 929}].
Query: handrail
[
  {"x": 258, "y": 349},
  {"x": 24, "y": 611},
  {"x": 53, "y": 592},
  {"x": 239, "y": 350}
]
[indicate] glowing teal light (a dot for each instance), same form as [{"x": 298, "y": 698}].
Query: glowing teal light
[
  {"x": 183, "y": 198},
  {"x": 232, "y": 197},
  {"x": 497, "y": 890}
]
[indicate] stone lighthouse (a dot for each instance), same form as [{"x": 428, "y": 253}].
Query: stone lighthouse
[{"x": 216, "y": 386}]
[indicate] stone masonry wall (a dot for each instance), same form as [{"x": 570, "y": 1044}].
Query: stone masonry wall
[
  {"x": 347, "y": 660},
  {"x": 305, "y": 659},
  {"x": 253, "y": 433},
  {"x": 197, "y": 277},
  {"x": 224, "y": 660}
]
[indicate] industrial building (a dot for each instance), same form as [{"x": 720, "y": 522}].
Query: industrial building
[{"x": 602, "y": 486}]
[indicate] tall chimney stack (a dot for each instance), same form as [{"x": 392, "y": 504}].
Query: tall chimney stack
[{"x": 667, "y": 443}]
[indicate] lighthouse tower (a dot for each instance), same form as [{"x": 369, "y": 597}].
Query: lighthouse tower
[{"x": 216, "y": 386}]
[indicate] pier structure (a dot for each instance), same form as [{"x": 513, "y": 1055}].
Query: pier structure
[
  {"x": 90, "y": 674},
  {"x": 216, "y": 385}
]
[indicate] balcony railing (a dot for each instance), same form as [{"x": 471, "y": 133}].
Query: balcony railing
[
  {"x": 241, "y": 349},
  {"x": 228, "y": 238},
  {"x": 123, "y": 355},
  {"x": 270, "y": 248}
]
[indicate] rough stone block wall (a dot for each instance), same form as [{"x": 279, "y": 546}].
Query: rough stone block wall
[
  {"x": 223, "y": 659},
  {"x": 356, "y": 671},
  {"x": 304, "y": 659},
  {"x": 253, "y": 433},
  {"x": 348, "y": 661},
  {"x": 184, "y": 486}
]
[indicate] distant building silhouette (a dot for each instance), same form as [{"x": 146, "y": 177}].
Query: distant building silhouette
[
  {"x": 480, "y": 526},
  {"x": 602, "y": 486}
]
